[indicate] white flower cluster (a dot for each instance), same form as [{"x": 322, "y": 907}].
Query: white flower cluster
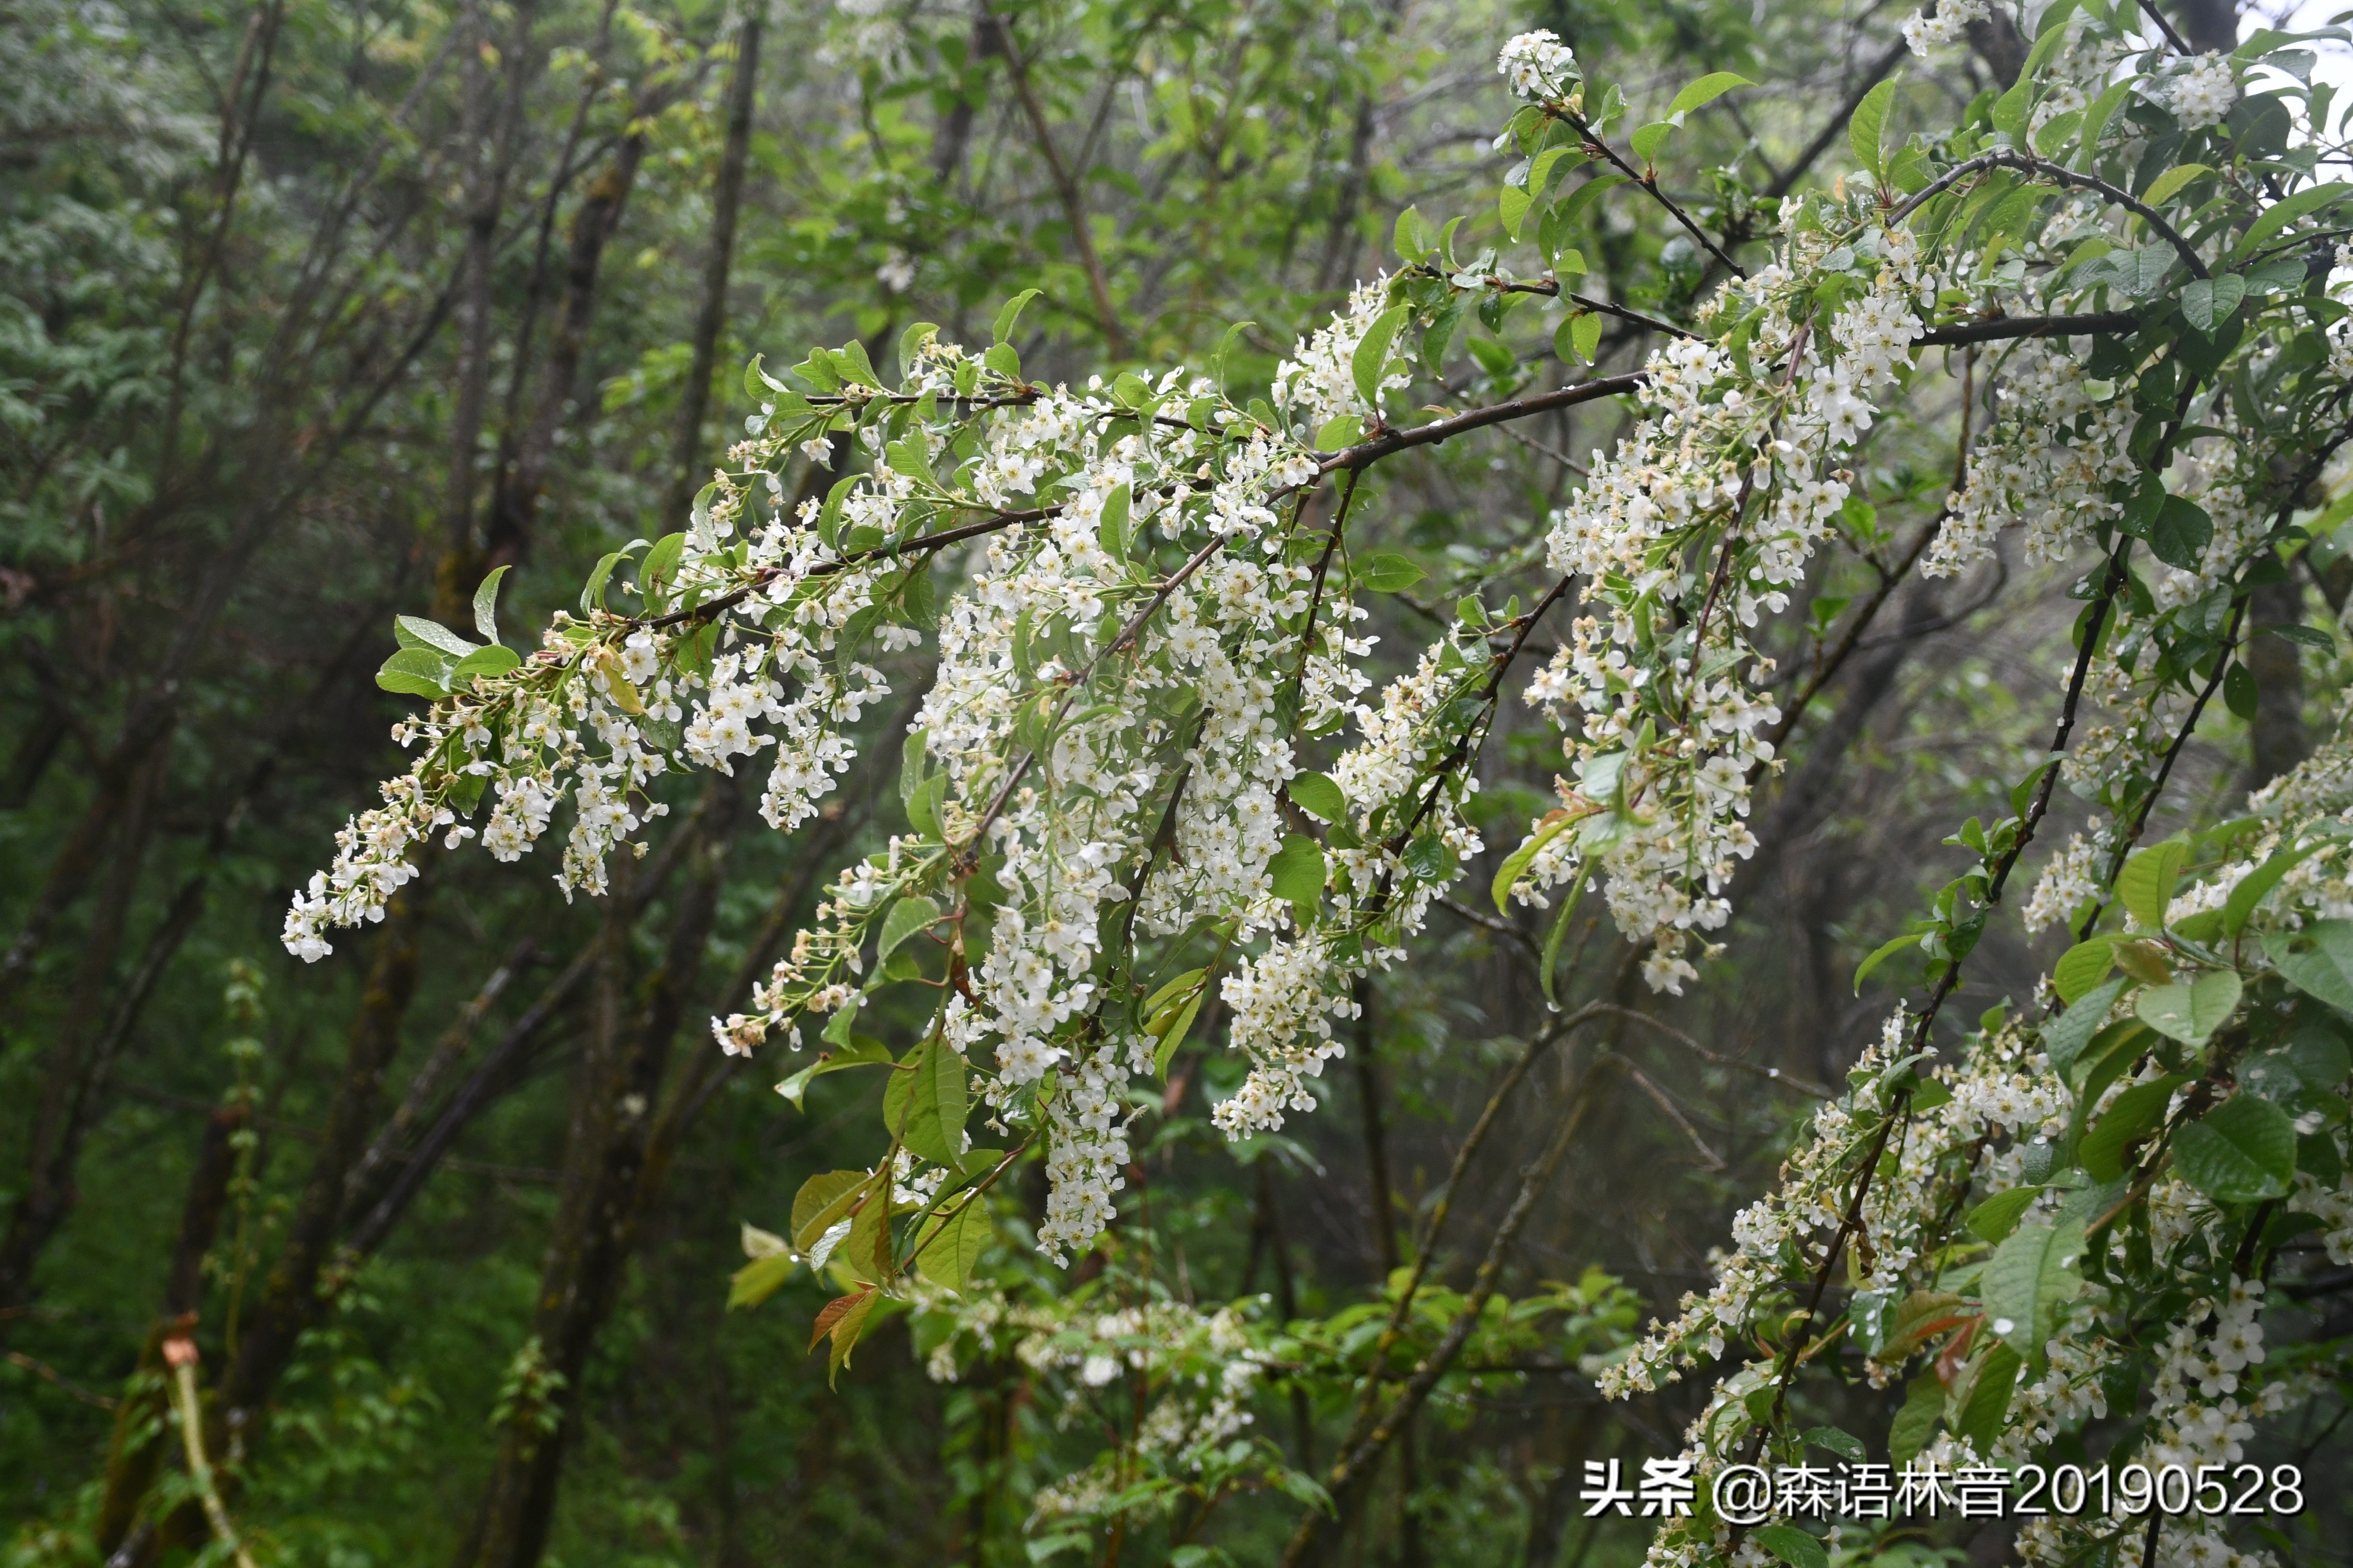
[
  {"x": 1537, "y": 65},
  {"x": 1702, "y": 519},
  {"x": 2200, "y": 90},
  {"x": 1948, "y": 22}
]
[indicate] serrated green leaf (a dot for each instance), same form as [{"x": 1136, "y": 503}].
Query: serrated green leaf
[
  {"x": 1915, "y": 1423},
  {"x": 1882, "y": 954},
  {"x": 821, "y": 1203},
  {"x": 1511, "y": 205},
  {"x": 416, "y": 631},
  {"x": 1515, "y": 865},
  {"x": 759, "y": 1279},
  {"x": 947, "y": 1256},
  {"x": 489, "y": 662},
  {"x": 2242, "y": 1151},
  {"x": 2316, "y": 960},
  {"x": 861, "y": 1050},
  {"x": 2064, "y": 1037},
  {"x": 2082, "y": 967},
  {"x": 1297, "y": 869},
  {"x": 1648, "y": 139},
  {"x": 486, "y": 603},
  {"x": 1372, "y": 355},
  {"x": 2208, "y": 302},
  {"x": 1387, "y": 572},
  {"x": 2146, "y": 885},
  {"x": 1318, "y": 797},
  {"x": 2126, "y": 1121},
  {"x": 2164, "y": 187},
  {"x": 1175, "y": 1030},
  {"x": 1707, "y": 89},
  {"x": 2029, "y": 1278},
  {"x": 1999, "y": 1216},
  {"x": 1793, "y": 1546},
  {"x": 2190, "y": 1010},
  {"x": 1003, "y": 329},
  {"x": 904, "y": 919},
  {"x": 1866, "y": 129},
  {"x": 1990, "y": 1395},
  {"x": 416, "y": 672}
]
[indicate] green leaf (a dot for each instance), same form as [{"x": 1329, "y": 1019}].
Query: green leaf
[
  {"x": 592, "y": 592},
  {"x": 2113, "y": 1052},
  {"x": 1298, "y": 870},
  {"x": 1915, "y": 1423},
  {"x": 1111, "y": 528},
  {"x": 843, "y": 1328},
  {"x": 1845, "y": 1445},
  {"x": 2064, "y": 1037},
  {"x": 907, "y": 917},
  {"x": 2255, "y": 885},
  {"x": 1866, "y": 129},
  {"x": 1173, "y": 1032},
  {"x": 2189, "y": 1011},
  {"x": 2011, "y": 109},
  {"x": 2242, "y": 1151},
  {"x": 1999, "y": 1216},
  {"x": 2082, "y": 967},
  {"x": 1707, "y": 89},
  {"x": 758, "y": 1279},
  {"x": 821, "y": 1203},
  {"x": 1187, "y": 981},
  {"x": 2207, "y": 302},
  {"x": 2316, "y": 960},
  {"x": 1412, "y": 237},
  {"x": 416, "y": 672},
  {"x": 2146, "y": 885},
  {"x": 946, "y": 1257},
  {"x": 1990, "y": 1394},
  {"x": 941, "y": 1100},
  {"x": 1648, "y": 139},
  {"x": 2032, "y": 1275},
  {"x": 1793, "y": 1546},
  {"x": 492, "y": 661},
  {"x": 1515, "y": 865},
  {"x": 1338, "y": 433},
  {"x": 1003, "y": 331},
  {"x": 2180, "y": 535},
  {"x": 2170, "y": 181},
  {"x": 1318, "y": 797},
  {"x": 417, "y": 632},
  {"x": 661, "y": 564},
  {"x": 1372, "y": 355},
  {"x": 2279, "y": 214},
  {"x": 486, "y": 604},
  {"x": 1387, "y": 572},
  {"x": 1578, "y": 338},
  {"x": 2127, "y": 1122},
  {"x": 1882, "y": 954},
  {"x": 1511, "y": 205},
  {"x": 863, "y": 1050}
]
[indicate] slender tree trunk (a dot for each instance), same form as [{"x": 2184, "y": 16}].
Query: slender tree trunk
[
  {"x": 2276, "y": 734},
  {"x": 596, "y": 1226},
  {"x": 687, "y": 459}
]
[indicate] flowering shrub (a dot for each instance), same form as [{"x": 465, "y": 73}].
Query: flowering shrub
[{"x": 1144, "y": 596}]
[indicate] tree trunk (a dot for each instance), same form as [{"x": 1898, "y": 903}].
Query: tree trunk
[
  {"x": 2276, "y": 736},
  {"x": 595, "y": 1225},
  {"x": 686, "y": 459}
]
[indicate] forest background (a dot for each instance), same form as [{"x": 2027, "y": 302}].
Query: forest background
[{"x": 313, "y": 311}]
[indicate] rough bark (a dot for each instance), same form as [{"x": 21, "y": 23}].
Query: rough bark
[{"x": 2276, "y": 736}]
